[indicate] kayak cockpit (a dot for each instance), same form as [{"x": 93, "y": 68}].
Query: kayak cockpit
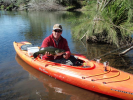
[
  {"x": 85, "y": 65},
  {"x": 77, "y": 61}
]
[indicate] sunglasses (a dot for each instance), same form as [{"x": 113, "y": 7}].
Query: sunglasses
[{"x": 58, "y": 31}]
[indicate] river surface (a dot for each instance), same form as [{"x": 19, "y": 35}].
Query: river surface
[{"x": 19, "y": 81}]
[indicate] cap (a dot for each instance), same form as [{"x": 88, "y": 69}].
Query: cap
[{"x": 57, "y": 26}]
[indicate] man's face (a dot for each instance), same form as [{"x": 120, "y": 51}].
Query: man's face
[{"x": 57, "y": 33}]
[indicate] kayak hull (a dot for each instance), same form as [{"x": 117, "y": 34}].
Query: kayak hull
[{"x": 95, "y": 78}]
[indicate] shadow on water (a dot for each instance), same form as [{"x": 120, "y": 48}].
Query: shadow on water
[
  {"x": 62, "y": 90},
  {"x": 104, "y": 51},
  {"x": 40, "y": 24}
]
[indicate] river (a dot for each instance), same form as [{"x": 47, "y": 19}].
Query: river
[{"x": 19, "y": 81}]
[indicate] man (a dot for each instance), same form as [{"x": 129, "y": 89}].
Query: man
[{"x": 57, "y": 41}]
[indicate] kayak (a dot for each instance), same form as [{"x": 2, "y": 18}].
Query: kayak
[
  {"x": 50, "y": 84},
  {"x": 91, "y": 75}
]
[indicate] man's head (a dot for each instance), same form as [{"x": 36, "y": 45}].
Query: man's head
[{"x": 57, "y": 31}]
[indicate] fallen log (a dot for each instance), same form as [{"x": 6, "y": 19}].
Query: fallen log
[{"x": 125, "y": 51}]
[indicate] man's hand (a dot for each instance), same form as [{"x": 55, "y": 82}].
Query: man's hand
[
  {"x": 47, "y": 54},
  {"x": 66, "y": 56}
]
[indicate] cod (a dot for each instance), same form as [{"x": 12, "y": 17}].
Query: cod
[{"x": 52, "y": 50}]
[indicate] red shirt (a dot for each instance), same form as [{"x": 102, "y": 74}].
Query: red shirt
[{"x": 62, "y": 44}]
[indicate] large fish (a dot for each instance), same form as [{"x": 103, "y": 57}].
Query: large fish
[{"x": 52, "y": 50}]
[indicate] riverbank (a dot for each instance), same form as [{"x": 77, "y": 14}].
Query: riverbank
[
  {"x": 31, "y": 6},
  {"x": 39, "y": 5}
]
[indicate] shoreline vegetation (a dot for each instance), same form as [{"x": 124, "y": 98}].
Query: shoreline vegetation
[
  {"x": 110, "y": 21},
  {"x": 49, "y": 5}
]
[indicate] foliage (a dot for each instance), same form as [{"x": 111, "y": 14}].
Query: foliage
[
  {"x": 118, "y": 11},
  {"x": 9, "y": 7},
  {"x": 71, "y": 4},
  {"x": 2, "y": 7},
  {"x": 117, "y": 14},
  {"x": 10, "y": 4},
  {"x": 110, "y": 23},
  {"x": 80, "y": 24},
  {"x": 66, "y": 2}
]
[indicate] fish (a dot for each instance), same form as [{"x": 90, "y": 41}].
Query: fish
[{"x": 52, "y": 50}]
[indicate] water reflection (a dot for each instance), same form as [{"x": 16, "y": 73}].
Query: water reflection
[
  {"x": 62, "y": 90},
  {"x": 41, "y": 23}
]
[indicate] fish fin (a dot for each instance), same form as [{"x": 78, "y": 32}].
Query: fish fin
[
  {"x": 59, "y": 54},
  {"x": 55, "y": 56},
  {"x": 56, "y": 52}
]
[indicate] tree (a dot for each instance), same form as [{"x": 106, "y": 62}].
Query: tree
[{"x": 112, "y": 22}]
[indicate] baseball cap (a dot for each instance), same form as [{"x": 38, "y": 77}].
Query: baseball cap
[{"x": 57, "y": 26}]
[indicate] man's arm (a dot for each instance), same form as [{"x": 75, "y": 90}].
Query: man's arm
[{"x": 66, "y": 48}]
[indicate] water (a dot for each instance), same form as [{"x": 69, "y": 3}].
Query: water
[{"x": 19, "y": 81}]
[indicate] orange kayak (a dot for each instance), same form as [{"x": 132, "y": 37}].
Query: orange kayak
[{"x": 91, "y": 75}]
